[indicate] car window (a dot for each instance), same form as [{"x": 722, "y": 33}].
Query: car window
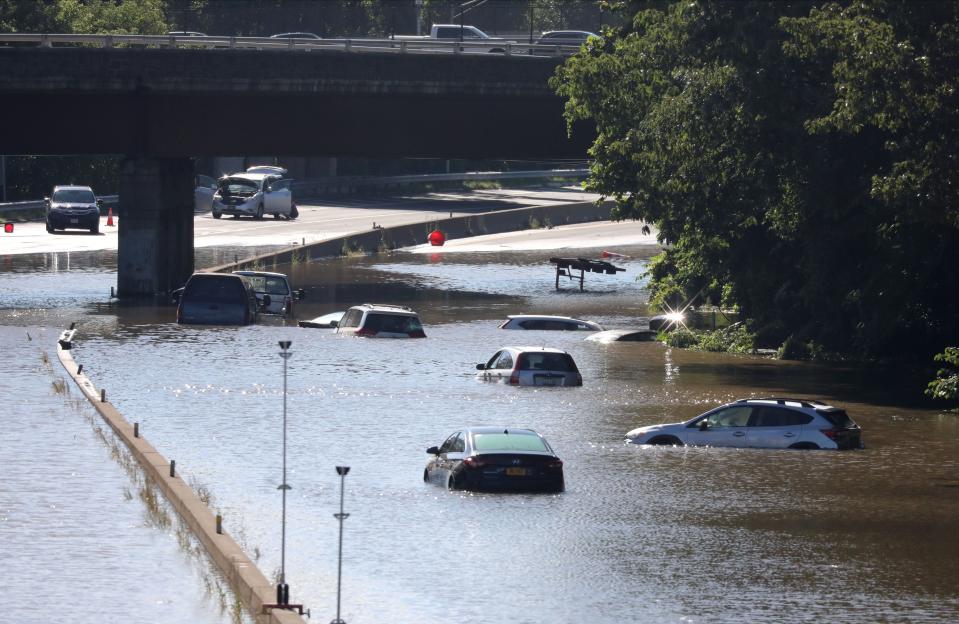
[
  {"x": 537, "y": 360},
  {"x": 505, "y": 360},
  {"x": 281, "y": 185},
  {"x": 215, "y": 289},
  {"x": 766, "y": 416},
  {"x": 392, "y": 323},
  {"x": 448, "y": 444},
  {"x": 235, "y": 186},
  {"x": 74, "y": 196},
  {"x": 839, "y": 418},
  {"x": 731, "y": 417},
  {"x": 459, "y": 444},
  {"x": 508, "y": 442},
  {"x": 351, "y": 318}
]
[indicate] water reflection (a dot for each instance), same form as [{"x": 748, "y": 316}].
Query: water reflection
[{"x": 642, "y": 534}]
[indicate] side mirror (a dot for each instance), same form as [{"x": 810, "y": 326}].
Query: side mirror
[
  {"x": 481, "y": 367},
  {"x": 704, "y": 424},
  {"x": 334, "y": 323},
  {"x": 301, "y": 294},
  {"x": 267, "y": 300},
  {"x": 433, "y": 450}
]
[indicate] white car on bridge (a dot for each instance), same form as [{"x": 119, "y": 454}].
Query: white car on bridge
[{"x": 254, "y": 193}]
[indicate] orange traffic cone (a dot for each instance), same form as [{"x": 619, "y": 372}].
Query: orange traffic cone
[{"x": 110, "y": 216}]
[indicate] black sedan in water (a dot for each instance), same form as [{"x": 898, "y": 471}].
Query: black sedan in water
[{"x": 495, "y": 458}]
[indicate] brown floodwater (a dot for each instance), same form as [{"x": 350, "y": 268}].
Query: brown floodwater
[{"x": 641, "y": 534}]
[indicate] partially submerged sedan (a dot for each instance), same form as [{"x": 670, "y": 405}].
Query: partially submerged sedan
[
  {"x": 495, "y": 458},
  {"x": 531, "y": 366},
  {"x": 760, "y": 423}
]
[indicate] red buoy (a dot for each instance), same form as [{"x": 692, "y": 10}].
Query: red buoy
[{"x": 437, "y": 238}]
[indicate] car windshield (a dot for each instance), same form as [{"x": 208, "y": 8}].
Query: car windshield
[
  {"x": 536, "y": 360},
  {"x": 269, "y": 284},
  {"x": 392, "y": 323},
  {"x": 214, "y": 289},
  {"x": 508, "y": 442},
  {"x": 238, "y": 186},
  {"x": 74, "y": 196}
]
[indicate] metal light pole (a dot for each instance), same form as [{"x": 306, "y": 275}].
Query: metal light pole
[
  {"x": 282, "y": 589},
  {"x": 342, "y": 471}
]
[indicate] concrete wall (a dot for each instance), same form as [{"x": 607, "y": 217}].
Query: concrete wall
[
  {"x": 385, "y": 239},
  {"x": 248, "y": 582}
]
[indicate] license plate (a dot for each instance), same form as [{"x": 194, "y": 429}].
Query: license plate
[
  {"x": 547, "y": 380},
  {"x": 516, "y": 472},
  {"x": 74, "y": 220}
]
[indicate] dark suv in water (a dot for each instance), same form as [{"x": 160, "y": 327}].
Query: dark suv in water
[
  {"x": 73, "y": 207},
  {"x": 218, "y": 299}
]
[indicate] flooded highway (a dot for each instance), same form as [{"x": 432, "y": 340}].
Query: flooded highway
[{"x": 642, "y": 534}]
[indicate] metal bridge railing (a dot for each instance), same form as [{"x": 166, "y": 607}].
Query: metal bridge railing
[{"x": 396, "y": 46}]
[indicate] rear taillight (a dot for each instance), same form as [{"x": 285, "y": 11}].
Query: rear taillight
[
  {"x": 514, "y": 378},
  {"x": 366, "y": 332},
  {"x": 830, "y": 433},
  {"x": 556, "y": 464},
  {"x": 417, "y": 333},
  {"x": 473, "y": 463}
]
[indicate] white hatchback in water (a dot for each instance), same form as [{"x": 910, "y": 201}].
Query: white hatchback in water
[
  {"x": 760, "y": 423},
  {"x": 531, "y": 366}
]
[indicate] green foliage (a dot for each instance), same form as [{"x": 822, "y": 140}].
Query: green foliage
[
  {"x": 733, "y": 339},
  {"x": 680, "y": 338},
  {"x": 946, "y": 384},
  {"x": 798, "y": 159}
]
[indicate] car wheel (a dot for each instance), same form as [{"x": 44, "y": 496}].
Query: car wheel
[
  {"x": 236, "y": 216},
  {"x": 50, "y": 228},
  {"x": 217, "y": 215},
  {"x": 294, "y": 213},
  {"x": 665, "y": 441},
  {"x": 259, "y": 212},
  {"x": 276, "y": 215},
  {"x": 452, "y": 483},
  {"x": 805, "y": 446}
]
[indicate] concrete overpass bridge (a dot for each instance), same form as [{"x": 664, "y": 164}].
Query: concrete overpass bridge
[{"x": 160, "y": 107}]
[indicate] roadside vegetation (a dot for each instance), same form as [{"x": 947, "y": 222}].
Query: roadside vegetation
[{"x": 798, "y": 160}]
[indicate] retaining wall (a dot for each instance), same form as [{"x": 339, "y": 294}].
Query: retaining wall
[
  {"x": 388, "y": 238},
  {"x": 248, "y": 582}
]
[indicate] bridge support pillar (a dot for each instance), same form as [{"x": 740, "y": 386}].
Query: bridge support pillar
[{"x": 155, "y": 249}]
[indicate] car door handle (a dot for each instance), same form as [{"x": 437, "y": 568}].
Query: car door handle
[
  {"x": 739, "y": 434},
  {"x": 789, "y": 435}
]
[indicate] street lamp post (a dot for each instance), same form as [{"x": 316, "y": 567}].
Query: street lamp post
[
  {"x": 282, "y": 589},
  {"x": 342, "y": 471}
]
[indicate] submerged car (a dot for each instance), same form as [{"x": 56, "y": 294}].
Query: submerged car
[
  {"x": 623, "y": 335},
  {"x": 533, "y": 321},
  {"x": 760, "y": 423},
  {"x": 256, "y": 192},
  {"x": 326, "y": 321},
  {"x": 376, "y": 320},
  {"x": 72, "y": 207},
  {"x": 277, "y": 286},
  {"x": 495, "y": 458},
  {"x": 218, "y": 299},
  {"x": 531, "y": 366}
]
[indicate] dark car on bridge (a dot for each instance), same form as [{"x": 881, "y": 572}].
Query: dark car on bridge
[
  {"x": 495, "y": 458},
  {"x": 218, "y": 299},
  {"x": 73, "y": 207}
]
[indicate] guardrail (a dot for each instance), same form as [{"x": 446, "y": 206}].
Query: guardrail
[
  {"x": 397, "y": 46},
  {"x": 347, "y": 184},
  {"x": 36, "y": 205}
]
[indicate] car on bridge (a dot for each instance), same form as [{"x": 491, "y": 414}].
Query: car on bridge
[
  {"x": 74, "y": 207},
  {"x": 255, "y": 192},
  {"x": 295, "y": 35}
]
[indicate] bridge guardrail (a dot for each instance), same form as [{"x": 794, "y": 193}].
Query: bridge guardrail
[
  {"x": 397, "y": 46},
  {"x": 341, "y": 184},
  {"x": 12, "y": 208}
]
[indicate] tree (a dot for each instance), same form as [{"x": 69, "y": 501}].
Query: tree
[{"x": 726, "y": 124}]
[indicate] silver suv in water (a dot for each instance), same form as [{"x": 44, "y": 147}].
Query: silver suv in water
[
  {"x": 760, "y": 423},
  {"x": 376, "y": 320}
]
